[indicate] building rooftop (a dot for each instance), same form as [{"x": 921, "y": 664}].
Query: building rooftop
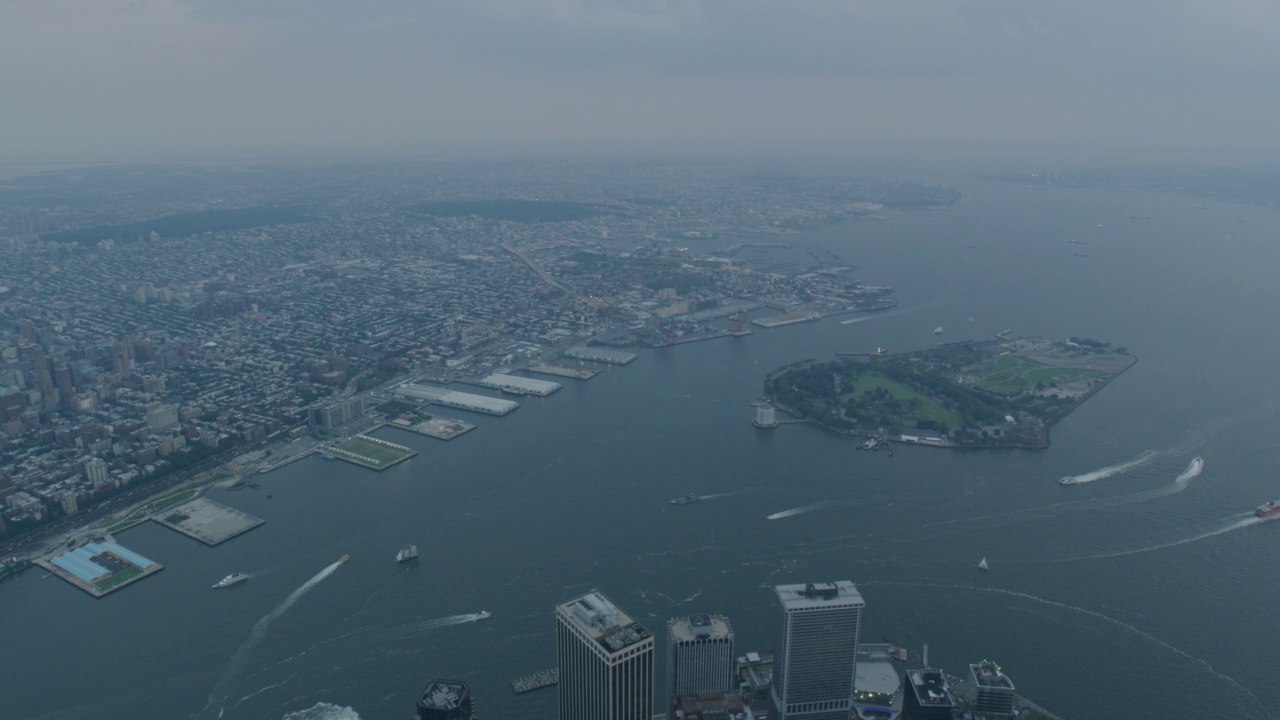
[
  {"x": 930, "y": 688},
  {"x": 604, "y": 622},
  {"x": 988, "y": 675},
  {"x": 819, "y": 595},
  {"x": 443, "y": 695},
  {"x": 876, "y": 676},
  {"x": 699, "y": 627}
]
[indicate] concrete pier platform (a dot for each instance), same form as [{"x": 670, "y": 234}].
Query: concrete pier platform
[
  {"x": 580, "y": 373},
  {"x": 208, "y": 521},
  {"x": 442, "y": 428}
]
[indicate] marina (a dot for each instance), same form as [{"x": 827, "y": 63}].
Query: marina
[
  {"x": 520, "y": 385},
  {"x": 535, "y": 681}
]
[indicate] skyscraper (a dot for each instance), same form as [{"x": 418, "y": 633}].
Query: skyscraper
[
  {"x": 816, "y": 654},
  {"x": 699, "y": 656},
  {"x": 606, "y": 661}
]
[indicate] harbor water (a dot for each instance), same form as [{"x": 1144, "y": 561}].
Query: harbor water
[{"x": 1146, "y": 592}]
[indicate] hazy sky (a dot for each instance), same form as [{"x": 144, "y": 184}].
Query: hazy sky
[{"x": 144, "y": 79}]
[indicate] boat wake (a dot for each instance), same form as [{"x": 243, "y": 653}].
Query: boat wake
[
  {"x": 1109, "y": 471},
  {"x": 713, "y": 496},
  {"x": 1180, "y": 483},
  {"x": 1235, "y": 523},
  {"x": 235, "y": 666},
  {"x": 800, "y": 510},
  {"x": 323, "y": 711},
  {"x": 1094, "y": 614},
  {"x": 407, "y": 631}
]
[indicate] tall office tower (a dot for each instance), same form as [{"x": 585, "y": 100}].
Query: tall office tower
[
  {"x": 606, "y": 661},
  {"x": 446, "y": 700},
  {"x": 992, "y": 690},
  {"x": 816, "y": 654},
  {"x": 699, "y": 656}
]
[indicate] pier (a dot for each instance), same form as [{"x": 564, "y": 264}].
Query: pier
[
  {"x": 579, "y": 373},
  {"x": 613, "y": 357},
  {"x": 455, "y": 399},
  {"x": 520, "y": 385},
  {"x": 535, "y": 681},
  {"x": 208, "y": 521}
]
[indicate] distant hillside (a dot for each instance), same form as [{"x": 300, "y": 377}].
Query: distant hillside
[
  {"x": 184, "y": 224},
  {"x": 528, "y": 211}
]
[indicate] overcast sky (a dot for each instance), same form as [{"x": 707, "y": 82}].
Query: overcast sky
[{"x": 187, "y": 79}]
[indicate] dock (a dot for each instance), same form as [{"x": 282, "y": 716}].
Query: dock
[
  {"x": 774, "y": 321},
  {"x": 440, "y": 428},
  {"x": 208, "y": 521},
  {"x": 535, "y": 681},
  {"x": 99, "y": 568},
  {"x": 579, "y": 373},
  {"x": 613, "y": 357},
  {"x": 455, "y": 399},
  {"x": 517, "y": 385}
]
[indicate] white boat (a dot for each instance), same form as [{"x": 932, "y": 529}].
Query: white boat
[
  {"x": 408, "y": 552},
  {"x": 937, "y": 330},
  {"x": 483, "y": 614},
  {"x": 230, "y": 580},
  {"x": 982, "y": 564},
  {"x": 970, "y": 318}
]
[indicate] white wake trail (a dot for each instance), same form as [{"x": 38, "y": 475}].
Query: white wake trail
[
  {"x": 1109, "y": 471},
  {"x": 1240, "y": 521},
  {"x": 800, "y": 510},
  {"x": 235, "y": 666},
  {"x": 1092, "y": 613}
]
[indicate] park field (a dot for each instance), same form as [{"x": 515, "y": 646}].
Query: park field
[
  {"x": 1012, "y": 375},
  {"x": 374, "y": 453},
  {"x": 926, "y": 408}
]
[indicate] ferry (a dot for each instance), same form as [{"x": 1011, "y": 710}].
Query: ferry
[
  {"x": 230, "y": 580},
  {"x": 690, "y": 498},
  {"x": 1268, "y": 509}
]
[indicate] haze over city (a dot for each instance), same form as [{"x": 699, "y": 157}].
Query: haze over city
[
  {"x": 164, "y": 79},
  {"x": 639, "y": 359}
]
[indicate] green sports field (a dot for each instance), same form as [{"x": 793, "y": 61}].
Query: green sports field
[
  {"x": 1011, "y": 375},
  {"x": 372, "y": 452}
]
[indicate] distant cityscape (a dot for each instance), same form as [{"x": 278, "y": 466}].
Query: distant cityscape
[
  {"x": 165, "y": 327},
  {"x": 818, "y": 670}
]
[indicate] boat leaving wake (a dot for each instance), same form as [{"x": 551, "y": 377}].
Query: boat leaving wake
[
  {"x": 235, "y": 666},
  {"x": 1110, "y": 470},
  {"x": 800, "y": 510},
  {"x": 408, "y": 631},
  {"x": 1235, "y": 523},
  {"x": 1180, "y": 483}
]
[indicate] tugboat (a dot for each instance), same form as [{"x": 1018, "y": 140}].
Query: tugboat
[
  {"x": 407, "y": 553},
  {"x": 1268, "y": 509},
  {"x": 230, "y": 580},
  {"x": 690, "y": 498}
]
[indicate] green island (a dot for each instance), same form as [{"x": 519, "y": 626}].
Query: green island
[{"x": 978, "y": 394}]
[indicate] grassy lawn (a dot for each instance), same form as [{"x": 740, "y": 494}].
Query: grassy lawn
[
  {"x": 375, "y": 453},
  {"x": 118, "y": 577},
  {"x": 1017, "y": 374},
  {"x": 926, "y": 407}
]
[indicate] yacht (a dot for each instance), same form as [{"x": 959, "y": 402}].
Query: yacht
[{"x": 230, "y": 580}]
